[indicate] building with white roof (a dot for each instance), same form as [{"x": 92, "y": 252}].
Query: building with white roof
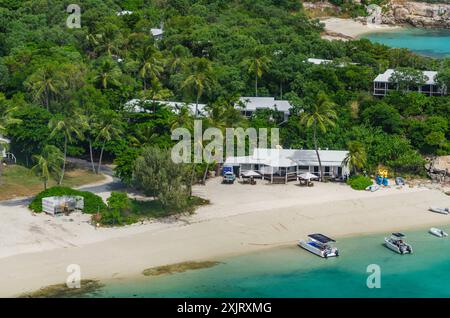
[
  {"x": 382, "y": 84},
  {"x": 138, "y": 106},
  {"x": 124, "y": 12},
  {"x": 287, "y": 164},
  {"x": 318, "y": 61},
  {"x": 251, "y": 104},
  {"x": 157, "y": 33}
]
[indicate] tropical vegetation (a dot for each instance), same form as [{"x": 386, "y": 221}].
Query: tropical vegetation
[{"x": 70, "y": 88}]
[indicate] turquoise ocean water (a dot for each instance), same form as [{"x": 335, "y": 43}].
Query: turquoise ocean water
[
  {"x": 435, "y": 43},
  {"x": 294, "y": 272}
]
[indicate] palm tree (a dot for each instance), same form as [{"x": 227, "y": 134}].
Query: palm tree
[
  {"x": 69, "y": 126},
  {"x": 108, "y": 40},
  {"x": 257, "y": 64},
  {"x": 356, "y": 158},
  {"x": 110, "y": 127},
  {"x": 150, "y": 64},
  {"x": 319, "y": 117},
  {"x": 177, "y": 62},
  {"x": 48, "y": 164},
  {"x": 45, "y": 84},
  {"x": 201, "y": 79},
  {"x": 108, "y": 74},
  {"x": 223, "y": 114}
]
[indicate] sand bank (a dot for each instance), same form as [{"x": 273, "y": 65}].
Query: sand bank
[{"x": 241, "y": 219}]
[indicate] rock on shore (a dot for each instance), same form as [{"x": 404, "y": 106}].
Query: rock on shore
[{"x": 417, "y": 14}]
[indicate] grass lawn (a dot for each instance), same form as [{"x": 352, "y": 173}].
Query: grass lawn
[{"x": 18, "y": 181}]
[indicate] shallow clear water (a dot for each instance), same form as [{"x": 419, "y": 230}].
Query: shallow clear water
[
  {"x": 435, "y": 43},
  {"x": 294, "y": 272}
]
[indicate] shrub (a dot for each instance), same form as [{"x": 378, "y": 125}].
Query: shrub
[
  {"x": 118, "y": 211},
  {"x": 92, "y": 202},
  {"x": 157, "y": 175},
  {"x": 359, "y": 182}
]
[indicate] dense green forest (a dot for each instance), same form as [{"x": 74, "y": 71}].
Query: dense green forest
[{"x": 67, "y": 88}]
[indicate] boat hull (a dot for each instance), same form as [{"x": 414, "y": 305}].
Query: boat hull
[
  {"x": 438, "y": 232},
  {"x": 396, "y": 249},
  {"x": 324, "y": 254},
  {"x": 439, "y": 210}
]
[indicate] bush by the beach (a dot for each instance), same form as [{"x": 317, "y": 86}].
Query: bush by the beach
[
  {"x": 359, "y": 182},
  {"x": 124, "y": 211},
  {"x": 92, "y": 202}
]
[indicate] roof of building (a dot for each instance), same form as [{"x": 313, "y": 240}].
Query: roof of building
[
  {"x": 254, "y": 103},
  {"x": 386, "y": 76},
  {"x": 124, "y": 12},
  {"x": 318, "y": 61},
  {"x": 156, "y": 31},
  {"x": 135, "y": 105},
  {"x": 290, "y": 157}
]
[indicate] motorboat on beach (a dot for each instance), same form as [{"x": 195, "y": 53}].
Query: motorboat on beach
[
  {"x": 320, "y": 245},
  {"x": 438, "y": 232},
  {"x": 397, "y": 244},
  {"x": 439, "y": 210}
]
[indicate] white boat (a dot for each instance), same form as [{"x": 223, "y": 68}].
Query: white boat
[
  {"x": 439, "y": 210},
  {"x": 396, "y": 243},
  {"x": 438, "y": 232},
  {"x": 373, "y": 188},
  {"x": 320, "y": 245}
]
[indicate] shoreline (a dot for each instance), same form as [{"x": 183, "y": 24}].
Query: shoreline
[
  {"x": 220, "y": 231},
  {"x": 350, "y": 29},
  {"x": 222, "y": 259}
]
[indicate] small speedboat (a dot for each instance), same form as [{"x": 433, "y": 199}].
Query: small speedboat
[
  {"x": 439, "y": 210},
  {"x": 320, "y": 245},
  {"x": 373, "y": 188},
  {"x": 397, "y": 244},
  {"x": 438, "y": 232}
]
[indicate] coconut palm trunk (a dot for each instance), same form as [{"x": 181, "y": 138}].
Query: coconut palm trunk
[
  {"x": 91, "y": 155},
  {"x": 256, "y": 83},
  {"x": 64, "y": 162},
  {"x": 192, "y": 179},
  {"x": 317, "y": 152},
  {"x": 101, "y": 156}
]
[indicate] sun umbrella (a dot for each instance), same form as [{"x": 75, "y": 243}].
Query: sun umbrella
[
  {"x": 307, "y": 176},
  {"x": 251, "y": 173}
]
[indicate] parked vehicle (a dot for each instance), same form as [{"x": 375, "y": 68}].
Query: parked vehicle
[{"x": 228, "y": 177}]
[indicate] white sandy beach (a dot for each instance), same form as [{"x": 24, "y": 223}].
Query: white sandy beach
[
  {"x": 35, "y": 250},
  {"x": 344, "y": 29}
]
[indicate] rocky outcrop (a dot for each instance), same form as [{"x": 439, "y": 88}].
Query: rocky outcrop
[{"x": 417, "y": 14}]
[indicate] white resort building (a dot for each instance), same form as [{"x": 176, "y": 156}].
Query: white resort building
[
  {"x": 141, "y": 106},
  {"x": 283, "y": 165},
  {"x": 382, "y": 84},
  {"x": 252, "y": 104}
]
